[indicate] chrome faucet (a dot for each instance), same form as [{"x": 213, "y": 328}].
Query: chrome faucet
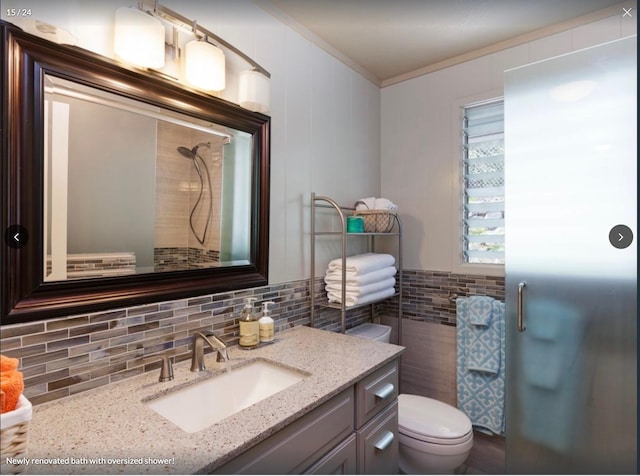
[
  {"x": 197, "y": 353},
  {"x": 166, "y": 372}
]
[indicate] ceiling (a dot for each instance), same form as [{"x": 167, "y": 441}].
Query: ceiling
[{"x": 388, "y": 40}]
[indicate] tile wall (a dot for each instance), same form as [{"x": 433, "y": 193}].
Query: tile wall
[
  {"x": 177, "y": 258},
  {"x": 430, "y": 295},
  {"x": 428, "y": 365},
  {"x": 90, "y": 265},
  {"x": 65, "y": 356}
]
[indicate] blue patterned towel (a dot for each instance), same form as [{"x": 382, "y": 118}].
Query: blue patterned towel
[
  {"x": 480, "y": 310},
  {"x": 482, "y": 342},
  {"x": 481, "y": 394}
]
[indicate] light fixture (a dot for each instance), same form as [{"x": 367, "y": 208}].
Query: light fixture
[
  {"x": 139, "y": 38},
  {"x": 254, "y": 91},
  {"x": 204, "y": 65}
]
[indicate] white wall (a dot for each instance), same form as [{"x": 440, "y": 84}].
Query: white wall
[
  {"x": 325, "y": 117},
  {"x": 324, "y": 131},
  {"x": 420, "y": 142},
  {"x": 327, "y": 133}
]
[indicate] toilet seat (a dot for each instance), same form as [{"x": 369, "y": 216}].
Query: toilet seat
[{"x": 432, "y": 421}]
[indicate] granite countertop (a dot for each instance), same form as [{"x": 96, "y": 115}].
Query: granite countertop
[{"x": 87, "y": 433}]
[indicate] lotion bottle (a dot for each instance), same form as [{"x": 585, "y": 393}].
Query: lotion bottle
[
  {"x": 267, "y": 327},
  {"x": 249, "y": 327}
]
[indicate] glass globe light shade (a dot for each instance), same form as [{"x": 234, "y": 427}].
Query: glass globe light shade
[
  {"x": 204, "y": 66},
  {"x": 254, "y": 91},
  {"x": 139, "y": 38}
]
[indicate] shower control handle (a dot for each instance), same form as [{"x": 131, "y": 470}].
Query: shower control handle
[{"x": 521, "y": 326}]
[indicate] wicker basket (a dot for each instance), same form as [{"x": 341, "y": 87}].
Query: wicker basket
[
  {"x": 13, "y": 436},
  {"x": 376, "y": 221}
]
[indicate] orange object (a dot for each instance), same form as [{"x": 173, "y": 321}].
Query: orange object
[
  {"x": 7, "y": 363},
  {"x": 11, "y": 383},
  {"x": 11, "y": 387}
]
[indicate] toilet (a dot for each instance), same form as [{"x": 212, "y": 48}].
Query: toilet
[{"x": 435, "y": 438}]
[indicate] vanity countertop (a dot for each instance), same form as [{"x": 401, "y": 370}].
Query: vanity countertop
[{"x": 89, "y": 432}]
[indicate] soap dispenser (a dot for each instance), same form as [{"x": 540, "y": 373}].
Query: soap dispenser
[
  {"x": 249, "y": 327},
  {"x": 267, "y": 327}
]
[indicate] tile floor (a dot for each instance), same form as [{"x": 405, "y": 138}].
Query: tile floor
[{"x": 487, "y": 456}]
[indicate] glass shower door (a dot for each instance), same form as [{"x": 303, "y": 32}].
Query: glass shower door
[{"x": 571, "y": 295}]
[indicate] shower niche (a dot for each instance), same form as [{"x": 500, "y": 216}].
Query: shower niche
[{"x": 127, "y": 187}]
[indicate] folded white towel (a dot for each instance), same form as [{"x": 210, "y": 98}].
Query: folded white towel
[
  {"x": 352, "y": 279},
  {"x": 373, "y": 203},
  {"x": 364, "y": 263},
  {"x": 385, "y": 204},
  {"x": 361, "y": 290},
  {"x": 368, "y": 203},
  {"x": 351, "y": 300}
]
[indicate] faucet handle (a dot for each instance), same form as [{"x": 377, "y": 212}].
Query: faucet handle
[{"x": 166, "y": 372}]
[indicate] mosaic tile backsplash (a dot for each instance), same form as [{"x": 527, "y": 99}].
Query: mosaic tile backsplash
[
  {"x": 65, "y": 356},
  {"x": 179, "y": 258},
  {"x": 90, "y": 265},
  {"x": 431, "y": 295}
]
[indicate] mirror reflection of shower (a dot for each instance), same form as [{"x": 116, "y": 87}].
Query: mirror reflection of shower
[{"x": 199, "y": 163}]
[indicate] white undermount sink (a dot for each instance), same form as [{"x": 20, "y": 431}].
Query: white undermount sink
[{"x": 200, "y": 405}]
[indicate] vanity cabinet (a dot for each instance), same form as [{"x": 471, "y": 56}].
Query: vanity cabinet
[
  {"x": 301, "y": 444},
  {"x": 377, "y": 421},
  {"x": 375, "y": 392},
  {"x": 340, "y": 460},
  {"x": 378, "y": 444},
  {"x": 356, "y": 432}
]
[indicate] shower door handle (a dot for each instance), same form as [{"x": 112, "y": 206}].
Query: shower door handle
[{"x": 521, "y": 326}]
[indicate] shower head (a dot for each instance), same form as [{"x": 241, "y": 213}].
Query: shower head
[
  {"x": 188, "y": 153},
  {"x": 191, "y": 153}
]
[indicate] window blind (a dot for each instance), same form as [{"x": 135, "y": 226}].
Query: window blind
[{"x": 483, "y": 200}]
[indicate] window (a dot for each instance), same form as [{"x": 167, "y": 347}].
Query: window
[{"x": 483, "y": 194}]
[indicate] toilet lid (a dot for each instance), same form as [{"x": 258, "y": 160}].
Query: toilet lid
[{"x": 431, "y": 420}]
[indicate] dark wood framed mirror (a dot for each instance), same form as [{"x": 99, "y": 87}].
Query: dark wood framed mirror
[{"x": 121, "y": 187}]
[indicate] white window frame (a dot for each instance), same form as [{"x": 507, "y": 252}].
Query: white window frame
[{"x": 459, "y": 264}]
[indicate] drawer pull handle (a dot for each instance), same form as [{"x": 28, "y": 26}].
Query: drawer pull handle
[
  {"x": 385, "y": 391},
  {"x": 384, "y": 442}
]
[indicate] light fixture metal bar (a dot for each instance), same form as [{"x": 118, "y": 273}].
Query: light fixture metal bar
[{"x": 174, "y": 17}]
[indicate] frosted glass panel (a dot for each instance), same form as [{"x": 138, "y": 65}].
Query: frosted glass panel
[
  {"x": 570, "y": 175},
  {"x": 573, "y": 123}
]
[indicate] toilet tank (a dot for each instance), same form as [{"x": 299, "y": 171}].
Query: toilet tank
[{"x": 377, "y": 332}]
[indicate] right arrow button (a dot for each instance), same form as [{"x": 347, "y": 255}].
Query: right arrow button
[{"x": 620, "y": 236}]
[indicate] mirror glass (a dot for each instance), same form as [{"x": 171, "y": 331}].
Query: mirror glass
[
  {"x": 122, "y": 187},
  {"x": 130, "y": 188}
]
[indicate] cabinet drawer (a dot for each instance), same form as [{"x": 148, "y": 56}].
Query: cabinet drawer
[
  {"x": 297, "y": 446},
  {"x": 341, "y": 459},
  {"x": 375, "y": 392},
  {"x": 378, "y": 443}
]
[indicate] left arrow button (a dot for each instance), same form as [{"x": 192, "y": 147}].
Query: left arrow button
[{"x": 16, "y": 236}]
